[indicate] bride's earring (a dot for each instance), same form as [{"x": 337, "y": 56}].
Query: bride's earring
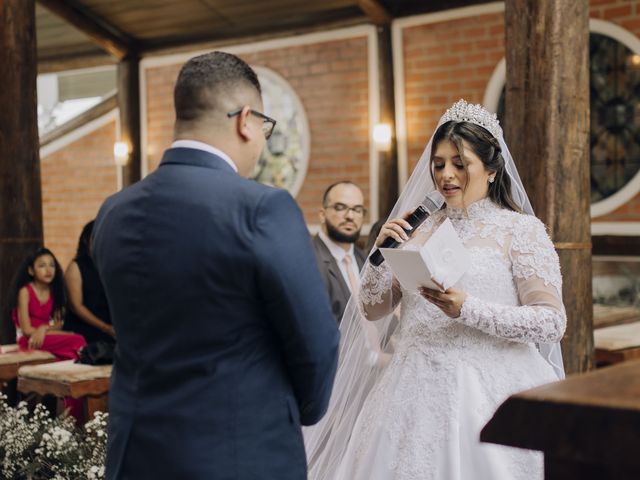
[{"x": 491, "y": 179}]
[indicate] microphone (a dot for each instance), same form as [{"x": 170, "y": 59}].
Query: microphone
[{"x": 431, "y": 203}]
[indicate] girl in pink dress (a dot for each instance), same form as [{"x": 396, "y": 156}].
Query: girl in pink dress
[
  {"x": 39, "y": 307},
  {"x": 38, "y": 314}
]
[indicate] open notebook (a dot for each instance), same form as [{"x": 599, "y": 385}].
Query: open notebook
[{"x": 443, "y": 257}]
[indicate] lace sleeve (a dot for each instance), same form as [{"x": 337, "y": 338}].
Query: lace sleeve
[
  {"x": 536, "y": 272},
  {"x": 380, "y": 292}
]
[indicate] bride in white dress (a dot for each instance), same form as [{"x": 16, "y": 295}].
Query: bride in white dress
[{"x": 411, "y": 405}]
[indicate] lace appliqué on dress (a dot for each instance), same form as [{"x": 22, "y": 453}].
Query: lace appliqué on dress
[
  {"x": 376, "y": 282},
  {"x": 523, "y": 324}
]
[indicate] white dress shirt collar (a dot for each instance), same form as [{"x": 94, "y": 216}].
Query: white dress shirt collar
[{"x": 195, "y": 144}]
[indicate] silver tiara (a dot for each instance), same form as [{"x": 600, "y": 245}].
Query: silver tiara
[{"x": 461, "y": 111}]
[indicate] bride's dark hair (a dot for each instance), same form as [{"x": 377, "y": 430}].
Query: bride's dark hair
[{"x": 487, "y": 148}]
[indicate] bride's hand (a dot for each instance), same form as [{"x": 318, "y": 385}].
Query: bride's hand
[
  {"x": 395, "y": 229},
  {"x": 449, "y": 301}
]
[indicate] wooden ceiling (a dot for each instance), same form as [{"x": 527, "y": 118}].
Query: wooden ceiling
[{"x": 77, "y": 33}]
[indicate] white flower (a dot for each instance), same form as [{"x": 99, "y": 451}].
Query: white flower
[{"x": 52, "y": 448}]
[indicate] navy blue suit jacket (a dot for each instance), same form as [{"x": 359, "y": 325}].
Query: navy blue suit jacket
[{"x": 225, "y": 339}]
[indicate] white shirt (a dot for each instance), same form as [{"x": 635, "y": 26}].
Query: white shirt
[
  {"x": 339, "y": 253},
  {"x": 205, "y": 147}
]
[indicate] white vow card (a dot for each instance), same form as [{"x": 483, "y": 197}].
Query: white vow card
[{"x": 442, "y": 257}]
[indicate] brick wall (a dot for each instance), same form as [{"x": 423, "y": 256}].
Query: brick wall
[
  {"x": 331, "y": 80},
  {"x": 75, "y": 182},
  {"x": 444, "y": 62},
  {"x": 455, "y": 58}
]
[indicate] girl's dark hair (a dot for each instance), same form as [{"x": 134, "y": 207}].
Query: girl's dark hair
[
  {"x": 487, "y": 148},
  {"x": 23, "y": 277},
  {"x": 84, "y": 242}
]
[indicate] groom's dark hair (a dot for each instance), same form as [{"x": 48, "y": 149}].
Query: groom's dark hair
[{"x": 205, "y": 81}]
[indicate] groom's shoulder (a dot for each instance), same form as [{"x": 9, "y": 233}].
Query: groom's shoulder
[{"x": 257, "y": 193}]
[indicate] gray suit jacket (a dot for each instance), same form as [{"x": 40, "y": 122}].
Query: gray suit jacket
[{"x": 334, "y": 281}]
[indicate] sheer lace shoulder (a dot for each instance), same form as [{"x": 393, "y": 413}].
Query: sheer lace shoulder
[{"x": 532, "y": 252}]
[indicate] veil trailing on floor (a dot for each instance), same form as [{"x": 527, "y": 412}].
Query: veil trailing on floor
[{"x": 367, "y": 346}]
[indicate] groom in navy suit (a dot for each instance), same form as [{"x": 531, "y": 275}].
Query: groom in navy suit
[{"x": 226, "y": 341}]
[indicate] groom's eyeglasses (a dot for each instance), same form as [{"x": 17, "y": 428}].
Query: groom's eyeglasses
[{"x": 268, "y": 123}]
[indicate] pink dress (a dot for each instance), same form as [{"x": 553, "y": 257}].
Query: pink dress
[{"x": 64, "y": 347}]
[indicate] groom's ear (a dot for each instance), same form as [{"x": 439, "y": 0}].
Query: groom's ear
[{"x": 242, "y": 124}]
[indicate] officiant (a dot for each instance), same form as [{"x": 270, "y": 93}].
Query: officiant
[{"x": 339, "y": 259}]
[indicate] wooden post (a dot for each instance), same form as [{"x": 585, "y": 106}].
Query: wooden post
[
  {"x": 388, "y": 161},
  {"x": 129, "y": 105},
  {"x": 547, "y": 127},
  {"x": 20, "y": 191}
]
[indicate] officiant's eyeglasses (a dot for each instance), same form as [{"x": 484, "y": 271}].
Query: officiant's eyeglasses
[
  {"x": 342, "y": 208},
  {"x": 268, "y": 123}
]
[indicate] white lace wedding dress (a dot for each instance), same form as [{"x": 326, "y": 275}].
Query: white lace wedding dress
[{"x": 422, "y": 419}]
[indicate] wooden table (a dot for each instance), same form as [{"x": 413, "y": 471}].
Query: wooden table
[
  {"x": 67, "y": 379},
  {"x": 588, "y": 426}
]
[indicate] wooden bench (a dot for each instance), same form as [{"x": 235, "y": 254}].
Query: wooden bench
[
  {"x": 610, "y": 315},
  {"x": 617, "y": 344},
  {"x": 67, "y": 379},
  {"x": 11, "y": 361}
]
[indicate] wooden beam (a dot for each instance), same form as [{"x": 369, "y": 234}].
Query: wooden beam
[
  {"x": 74, "y": 62},
  {"x": 182, "y": 45},
  {"x": 129, "y": 105},
  {"x": 388, "y": 161},
  {"x": 615, "y": 245},
  {"x": 20, "y": 192},
  {"x": 102, "y": 108},
  {"x": 107, "y": 36},
  {"x": 375, "y": 11},
  {"x": 547, "y": 130}
]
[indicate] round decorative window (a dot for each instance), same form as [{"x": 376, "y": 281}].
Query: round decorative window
[
  {"x": 614, "y": 84},
  {"x": 615, "y": 115},
  {"x": 284, "y": 161}
]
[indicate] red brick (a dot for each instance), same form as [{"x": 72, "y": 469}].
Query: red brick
[
  {"x": 75, "y": 182},
  {"x": 442, "y": 62},
  {"x": 633, "y": 25},
  {"x": 617, "y": 12}
]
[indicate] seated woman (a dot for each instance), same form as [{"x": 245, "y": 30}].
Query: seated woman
[{"x": 88, "y": 312}]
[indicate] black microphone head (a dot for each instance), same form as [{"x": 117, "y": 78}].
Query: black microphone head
[{"x": 433, "y": 201}]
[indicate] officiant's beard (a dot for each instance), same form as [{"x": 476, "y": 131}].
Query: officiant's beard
[{"x": 340, "y": 237}]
